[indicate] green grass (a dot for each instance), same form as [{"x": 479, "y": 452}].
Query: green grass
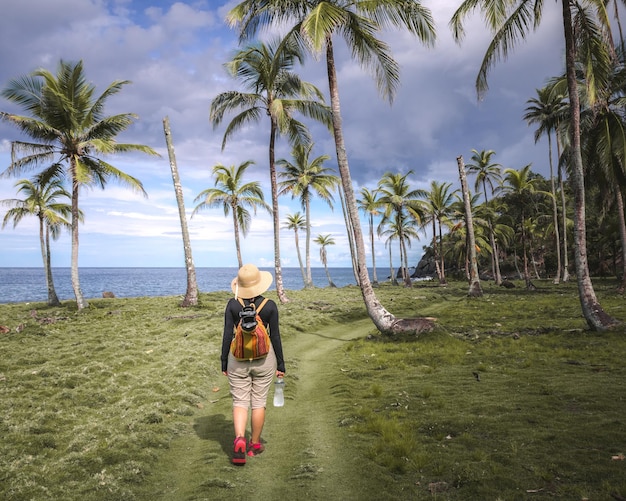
[{"x": 511, "y": 397}]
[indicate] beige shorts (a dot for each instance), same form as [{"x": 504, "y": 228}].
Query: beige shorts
[{"x": 250, "y": 381}]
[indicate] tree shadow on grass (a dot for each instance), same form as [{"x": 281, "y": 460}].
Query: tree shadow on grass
[{"x": 215, "y": 428}]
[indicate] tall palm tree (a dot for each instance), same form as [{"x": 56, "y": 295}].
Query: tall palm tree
[
  {"x": 67, "y": 120},
  {"x": 304, "y": 178},
  {"x": 510, "y": 21},
  {"x": 604, "y": 147},
  {"x": 438, "y": 206},
  {"x": 323, "y": 241},
  {"x": 370, "y": 204},
  {"x": 42, "y": 199},
  {"x": 276, "y": 92},
  {"x": 297, "y": 222},
  {"x": 235, "y": 197},
  {"x": 546, "y": 110},
  {"x": 399, "y": 201},
  {"x": 487, "y": 173},
  {"x": 360, "y": 23}
]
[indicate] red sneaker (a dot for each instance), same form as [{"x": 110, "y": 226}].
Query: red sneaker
[
  {"x": 239, "y": 451},
  {"x": 255, "y": 449}
]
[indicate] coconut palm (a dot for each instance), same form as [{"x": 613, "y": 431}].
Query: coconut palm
[
  {"x": 67, "y": 121},
  {"x": 487, "y": 173},
  {"x": 276, "y": 92},
  {"x": 399, "y": 201},
  {"x": 510, "y": 21},
  {"x": 304, "y": 178},
  {"x": 392, "y": 228},
  {"x": 235, "y": 197},
  {"x": 370, "y": 204},
  {"x": 323, "y": 241},
  {"x": 437, "y": 208},
  {"x": 360, "y": 23},
  {"x": 522, "y": 186},
  {"x": 42, "y": 198},
  {"x": 546, "y": 110},
  {"x": 297, "y": 222}
]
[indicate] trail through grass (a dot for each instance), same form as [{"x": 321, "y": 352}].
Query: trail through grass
[{"x": 510, "y": 398}]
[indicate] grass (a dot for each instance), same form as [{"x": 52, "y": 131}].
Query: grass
[{"x": 510, "y": 398}]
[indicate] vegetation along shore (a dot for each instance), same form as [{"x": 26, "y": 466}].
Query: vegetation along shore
[{"x": 511, "y": 396}]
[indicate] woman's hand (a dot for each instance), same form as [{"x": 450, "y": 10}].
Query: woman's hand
[{"x": 280, "y": 374}]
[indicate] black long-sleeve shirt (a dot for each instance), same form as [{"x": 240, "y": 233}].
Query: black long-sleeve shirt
[{"x": 269, "y": 316}]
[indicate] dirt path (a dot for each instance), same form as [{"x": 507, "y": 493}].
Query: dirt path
[{"x": 307, "y": 453}]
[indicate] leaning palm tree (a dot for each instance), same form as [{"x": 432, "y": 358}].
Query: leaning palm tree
[
  {"x": 370, "y": 204},
  {"x": 323, "y": 241},
  {"x": 297, "y": 222},
  {"x": 276, "y": 92},
  {"x": 510, "y": 21},
  {"x": 487, "y": 173},
  {"x": 41, "y": 199},
  {"x": 235, "y": 197},
  {"x": 360, "y": 23},
  {"x": 67, "y": 122},
  {"x": 546, "y": 110},
  {"x": 304, "y": 178}
]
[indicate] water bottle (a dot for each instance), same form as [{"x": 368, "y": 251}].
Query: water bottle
[{"x": 279, "y": 392}]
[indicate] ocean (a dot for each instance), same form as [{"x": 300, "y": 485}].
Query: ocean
[{"x": 21, "y": 285}]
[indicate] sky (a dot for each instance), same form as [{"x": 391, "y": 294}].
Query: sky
[{"x": 174, "y": 52}]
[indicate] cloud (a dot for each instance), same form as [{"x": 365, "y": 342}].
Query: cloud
[{"x": 173, "y": 53}]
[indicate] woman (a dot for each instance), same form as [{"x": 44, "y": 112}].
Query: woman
[{"x": 250, "y": 380}]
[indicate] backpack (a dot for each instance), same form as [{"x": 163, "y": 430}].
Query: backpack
[{"x": 251, "y": 340}]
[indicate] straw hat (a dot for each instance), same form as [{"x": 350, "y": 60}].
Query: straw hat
[{"x": 251, "y": 282}]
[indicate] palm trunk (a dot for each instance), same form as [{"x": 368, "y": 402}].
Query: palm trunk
[
  {"x": 371, "y": 219},
  {"x": 622, "y": 233},
  {"x": 273, "y": 183},
  {"x": 44, "y": 239},
  {"x": 191, "y": 295},
  {"x": 555, "y": 215},
  {"x": 596, "y": 317},
  {"x": 236, "y": 231},
  {"x": 564, "y": 227},
  {"x": 300, "y": 258},
  {"x": 392, "y": 273},
  {"x": 475, "y": 290},
  {"x": 309, "y": 279},
  {"x": 78, "y": 293},
  {"x": 350, "y": 234},
  {"x": 384, "y": 321},
  {"x": 442, "y": 279}
]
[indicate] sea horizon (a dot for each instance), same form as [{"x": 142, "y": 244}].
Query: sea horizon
[{"x": 28, "y": 284}]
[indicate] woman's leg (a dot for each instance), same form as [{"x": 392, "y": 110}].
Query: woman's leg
[
  {"x": 258, "y": 420},
  {"x": 240, "y": 420}
]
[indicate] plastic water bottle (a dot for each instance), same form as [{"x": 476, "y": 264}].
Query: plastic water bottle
[{"x": 279, "y": 392}]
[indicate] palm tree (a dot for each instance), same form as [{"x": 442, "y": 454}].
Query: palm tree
[
  {"x": 234, "y": 197},
  {"x": 522, "y": 186},
  {"x": 399, "y": 200},
  {"x": 392, "y": 229},
  {"x": 275, "y": 91},
  {"x": 370, "y": 204},
  {"x": 304, "y": 178},
  {"x": 438, "y": 205},
  {"x": 323, "y": 241},
  {"x": 546, "y": 110},
  {"x": 41, "y": 199},
  {"x": 69, "y": 122},
  {"x": 297, "y": 222},
  {"x": 487, "y": 173},
  {"x": 511, "y": 20},
  {"x": 359, "y": 22},
  {"x": 475, "y": 290}
]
